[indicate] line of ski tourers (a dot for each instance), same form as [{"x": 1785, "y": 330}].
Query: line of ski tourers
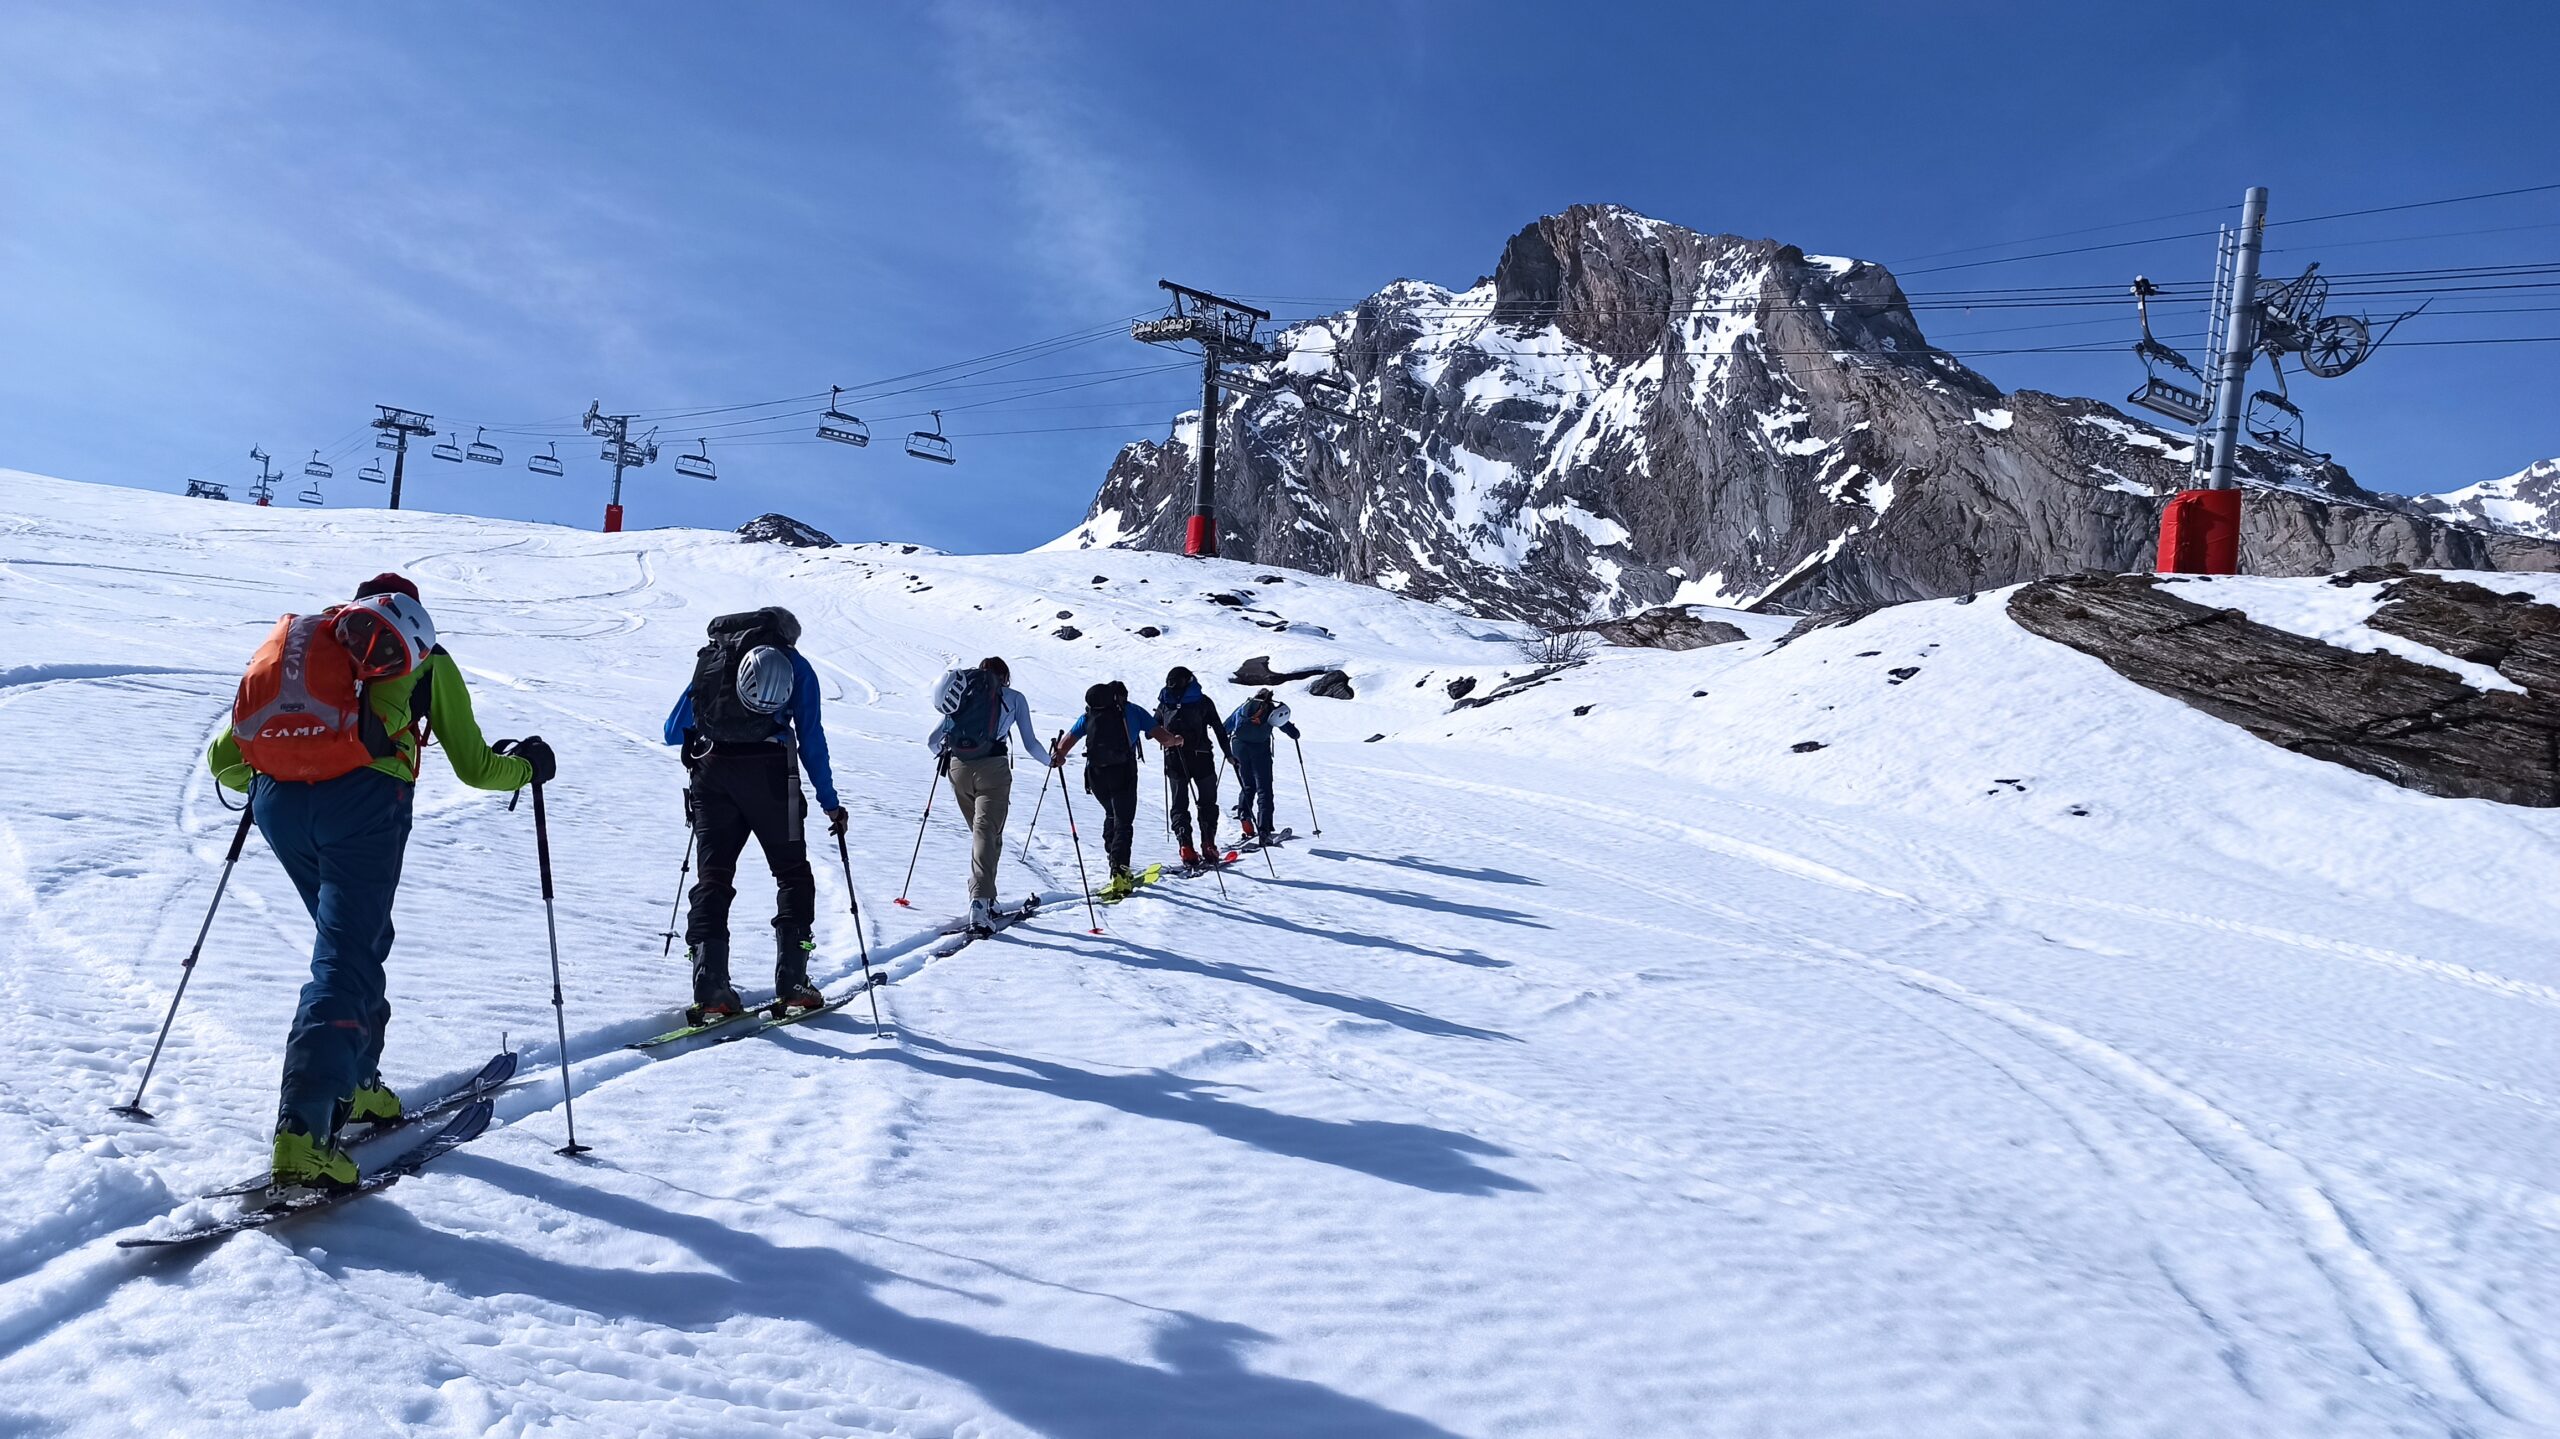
[{"x": 327, "y": 730}]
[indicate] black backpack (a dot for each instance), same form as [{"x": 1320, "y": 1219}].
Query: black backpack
[
  {"x": 977, "y": 722},
  {"x": 718, "y": 714},
  {"x": 1106, "y": 736}
]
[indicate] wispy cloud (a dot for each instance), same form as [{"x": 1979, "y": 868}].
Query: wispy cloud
[{"x": 1085, "y": 202}]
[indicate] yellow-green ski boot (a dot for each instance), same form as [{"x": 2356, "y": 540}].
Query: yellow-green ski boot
[
  {"x": 302, "y": 1162},
  {"x": 373, "y": 1103}
]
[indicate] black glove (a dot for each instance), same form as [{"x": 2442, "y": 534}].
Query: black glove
[
  {"x": 838, "y": 821},
  {"x": 532, "y": 750},
  {"x": 1290, "y": 730}
]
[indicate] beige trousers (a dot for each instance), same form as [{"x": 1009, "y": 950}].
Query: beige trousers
[{"x": 984, "y": 790}]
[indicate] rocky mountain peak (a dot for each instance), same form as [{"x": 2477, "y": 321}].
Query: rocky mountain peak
[{"x": 1629, "y": 413}]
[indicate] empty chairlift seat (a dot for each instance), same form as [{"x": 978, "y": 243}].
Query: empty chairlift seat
[
  {"x": 373, "y": 475},
  {"x": 482, "y": 451},
  {"x": 446, "y": 449},
  {"x": 318, "y": 468},
  {"x": 546, "y": 463},
  {"x": 930, "y": 444},
  {"x": 840, "y": 427},
  {"x": 698, "y": 466}
]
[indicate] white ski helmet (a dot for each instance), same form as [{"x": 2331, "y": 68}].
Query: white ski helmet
[
  {"x": 764, "y": 680},
  {"x": 389, "y": 635}
]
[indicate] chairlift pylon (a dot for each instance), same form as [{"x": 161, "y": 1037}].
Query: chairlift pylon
[
  {"x": 446, "y": 449},
  {"x": 481, "y": 451},
  {"x": 317, "y": 468},
  {"x": 546, "y": 463},
  {"x": 2181, "y": 402},
  {"x": 930, "y": 444},
  {"x": 373, "y": 475},
  {"x": 840, "y": 427},
  {"x": 698, "y": 466}
]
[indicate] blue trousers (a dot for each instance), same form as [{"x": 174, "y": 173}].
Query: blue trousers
[
  {"x": 341, "y": 841},
  {"x": 1253, "y": 787}
]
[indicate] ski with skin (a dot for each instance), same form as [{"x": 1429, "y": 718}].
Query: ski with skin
[
  {"x": 1150, "y": 875},
  {"x": 466, "y": 1124},
  {"x": 962, "y": 936},
  {"x": 492, "y": 1077}
]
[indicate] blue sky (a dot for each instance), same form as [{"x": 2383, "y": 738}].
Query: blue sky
[{"x": 226, "y": 226}]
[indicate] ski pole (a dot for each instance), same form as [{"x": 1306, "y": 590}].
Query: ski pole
[
  {"x": 1302, "y": 782},
  {"x": 846, "y": 855},
  {"x": 1081, "y": 877},
  {"x": 133, "y": 1109},
  {"x": 683, "y": 873},
  {"x": 1023, "y": 856},
  {"x": 559, "y": 1010},
  {"x": 939, "y": 765}
]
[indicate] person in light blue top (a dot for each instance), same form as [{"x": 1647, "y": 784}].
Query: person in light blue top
[{"x": 979, "y": 706}]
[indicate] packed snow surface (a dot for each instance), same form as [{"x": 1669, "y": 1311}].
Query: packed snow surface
[{"x": 1908, "y": 1030}]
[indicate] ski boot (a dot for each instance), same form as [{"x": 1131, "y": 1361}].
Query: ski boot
[
  {"x": 1249, "y": 830},
  {"x": 302, "y": 1162},
  {"x": 792, "y": 990},
  {"x": 1190, "y": 857},
  {"x": 713, "y": 999},
  {"x": 1120, "y": 886},
  {"x": 982, "y": 917},
  {"x": 373, "y": 1103}
]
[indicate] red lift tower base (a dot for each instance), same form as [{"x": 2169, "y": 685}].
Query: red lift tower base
[
  {"x": 613, "y": 521},
  {"x": 2200, "y": 533}
]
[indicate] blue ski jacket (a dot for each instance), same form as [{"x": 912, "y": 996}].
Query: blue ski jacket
[{"x": 799, "y": 721}]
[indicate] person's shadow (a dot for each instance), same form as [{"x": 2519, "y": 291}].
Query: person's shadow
[{"x": 1198, "y": 1384}]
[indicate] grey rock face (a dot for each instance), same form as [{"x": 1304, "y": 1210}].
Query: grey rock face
[
  {"x": 1629, "y": 413},
  {"x": 784, "y": 530},
  {"x": 1666, "y": 627},
  {"x": 2415, "y": 725}
]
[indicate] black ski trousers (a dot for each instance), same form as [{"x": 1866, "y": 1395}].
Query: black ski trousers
[
  {"x": 735, "y": 795},
  {"x": 1115, "y": 788},
  {"x": 1194, "y": 783}
]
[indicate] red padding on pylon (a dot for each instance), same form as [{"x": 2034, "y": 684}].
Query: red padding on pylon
[
  {"x": 1201, "y": 538},
  {"x": 613, "y": 519},
  {"x": 2200, "y": 533}
]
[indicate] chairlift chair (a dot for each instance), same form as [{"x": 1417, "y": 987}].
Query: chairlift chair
[
  {"x": 547, "y": 463},
  {"x": 206, "y": 490},
  {"x": 373, "y": 475},
  {"x": 446, "y": 449},
  {"x": 318, "y": 468},
  {"x": 698, "y": 466},
  {"x": 386, "y": 442},
  {"x": 930, "y": 444},
  {"x": 311, "y": 495},
  {"x": 840, "y": 427},
  {"x": 2275, "y": 422},
  {"x": 481, "y": 451},
  {"x": 2162, "y": 396}
]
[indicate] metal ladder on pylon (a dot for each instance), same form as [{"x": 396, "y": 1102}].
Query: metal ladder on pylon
[{"x": 2226, "y": 258}]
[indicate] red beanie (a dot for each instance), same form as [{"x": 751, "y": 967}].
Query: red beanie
[{"x": 387, "y": 583}]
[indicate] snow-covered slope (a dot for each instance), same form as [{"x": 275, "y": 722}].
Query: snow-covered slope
[{"x": 2034, "y": 1056}]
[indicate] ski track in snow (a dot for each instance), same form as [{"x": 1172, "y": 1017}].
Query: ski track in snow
[{"x": 1625, "y": 1074}]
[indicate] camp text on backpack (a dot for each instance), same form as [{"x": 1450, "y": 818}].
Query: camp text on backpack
[
  {"x": 300, "y": 712},
  {"x": 719, "y": 715}
]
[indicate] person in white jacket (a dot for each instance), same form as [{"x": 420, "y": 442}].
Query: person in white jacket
[{"x": 979, "y": 706}]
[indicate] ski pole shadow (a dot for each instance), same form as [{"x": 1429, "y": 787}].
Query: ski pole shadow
[
  {"x": 1383, "y": 1011},
  {"x": 1420, "y": 1156},
  {"x": 1198, "y": 1384},
  {"x": 1416, "y": 899},
  {"x": 1474, "y": 957},
  {"x": 1445, "y": 871}
]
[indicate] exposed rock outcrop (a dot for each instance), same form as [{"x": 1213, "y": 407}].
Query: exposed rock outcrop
[
  {"x": 2416, "y": 725},
  {"x": 784, "y": 530},
  {"x": 1629, "y": 413},
  {"x": 1666, "y": 627}
]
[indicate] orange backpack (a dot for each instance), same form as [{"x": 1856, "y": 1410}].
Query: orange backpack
[{"x": 300, "y": 713}]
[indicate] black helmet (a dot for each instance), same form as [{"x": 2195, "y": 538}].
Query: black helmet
[{"x": 1177, "y": 678}]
